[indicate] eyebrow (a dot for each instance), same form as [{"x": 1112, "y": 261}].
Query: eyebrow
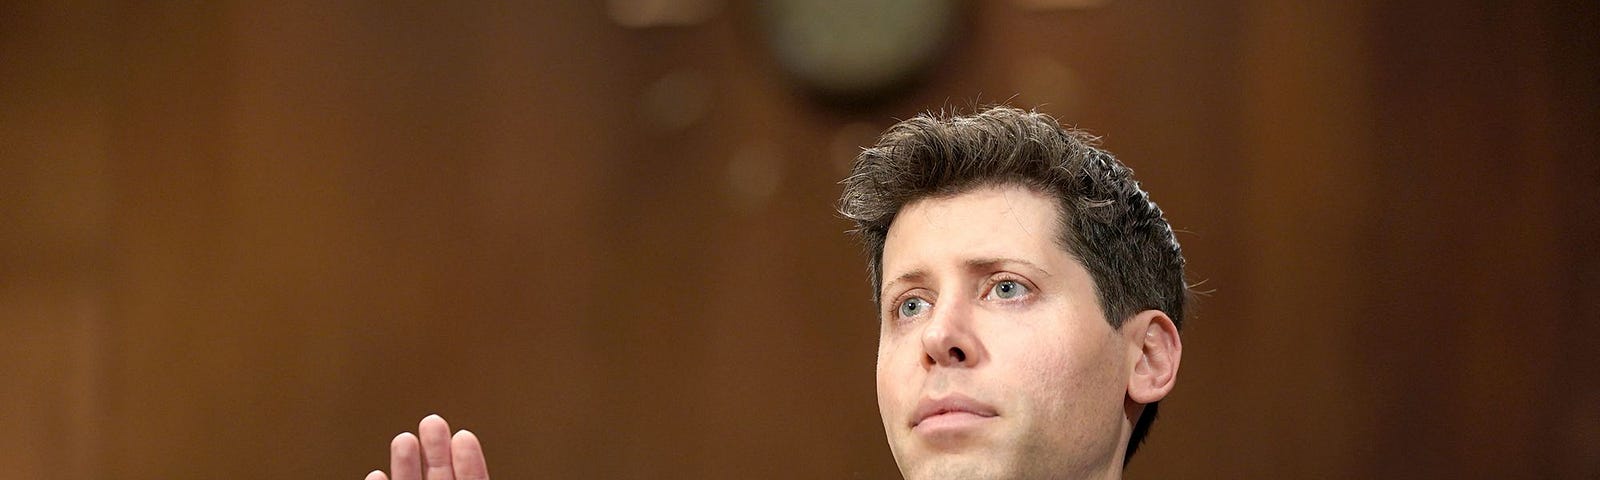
[
  {"x": 971, "y": 265},
  {"x": 977, "y": 264},
  {"x": 913, "y": 276}
]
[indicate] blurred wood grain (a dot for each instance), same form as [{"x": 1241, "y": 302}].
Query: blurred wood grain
[{"x": 256, "y": 240}]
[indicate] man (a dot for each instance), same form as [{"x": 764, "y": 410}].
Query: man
[
  {"x": 1030, "y": 296},
  {"x": 1029, "y": 293}
]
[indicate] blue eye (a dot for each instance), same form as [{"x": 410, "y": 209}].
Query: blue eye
[
  {"x": 912, "y": 307},
  {"x": 1007, "y": 290}
]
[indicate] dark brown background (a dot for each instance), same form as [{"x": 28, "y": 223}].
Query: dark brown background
[{"x": 257, "y": 239}]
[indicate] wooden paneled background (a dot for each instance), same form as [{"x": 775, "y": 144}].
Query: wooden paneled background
[{"x": 257, "y": 239}]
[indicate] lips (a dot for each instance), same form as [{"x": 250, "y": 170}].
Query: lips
[{"x": 953, "y": 405}]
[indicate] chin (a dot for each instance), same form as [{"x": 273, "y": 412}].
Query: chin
[
  {"x": 943, "y": 466},
  {"x": 949, "y": 470}
]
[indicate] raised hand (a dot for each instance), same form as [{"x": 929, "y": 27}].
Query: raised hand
[{"x": 433, "y": 454}]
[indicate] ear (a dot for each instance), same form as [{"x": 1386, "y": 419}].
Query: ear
[{"x": 1156, "y": 350}]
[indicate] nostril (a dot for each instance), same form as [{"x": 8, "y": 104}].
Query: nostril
[{"x": 956, "y": 353}]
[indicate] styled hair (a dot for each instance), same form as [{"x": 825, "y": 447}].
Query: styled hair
[{"x": 1108, "y": 223}]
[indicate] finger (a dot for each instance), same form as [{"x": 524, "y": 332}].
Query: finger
[
  {"x": 435, "y": 435},
  {"x": 405, "y": 461},
  {"x": 467, "y": 454},
  {"x": 377, "y": 475}
]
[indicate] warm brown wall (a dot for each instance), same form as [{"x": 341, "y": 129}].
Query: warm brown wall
[{"x": 258, "y": 239}]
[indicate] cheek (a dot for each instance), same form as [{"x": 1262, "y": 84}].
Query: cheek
[
  {"x": 1069, "y": 375},
  {"x": 1052, "y": 374},
  {"x": 887, "y": 374}
]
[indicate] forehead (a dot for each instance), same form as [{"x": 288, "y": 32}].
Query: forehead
[{"x": 998, "y": 221}]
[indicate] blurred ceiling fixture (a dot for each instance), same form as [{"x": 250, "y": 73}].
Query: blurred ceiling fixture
[
  {"x": 858, "y": 51},
  {"x": 661, "y": 13}
]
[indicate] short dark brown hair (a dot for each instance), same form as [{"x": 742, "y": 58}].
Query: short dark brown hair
[{"x": 1108, "y": 223}]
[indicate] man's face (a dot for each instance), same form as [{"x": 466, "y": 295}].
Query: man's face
[{"x": 994, "y": 358}]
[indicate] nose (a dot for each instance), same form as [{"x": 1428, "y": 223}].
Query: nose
[{"x": 948, "y": 339}]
